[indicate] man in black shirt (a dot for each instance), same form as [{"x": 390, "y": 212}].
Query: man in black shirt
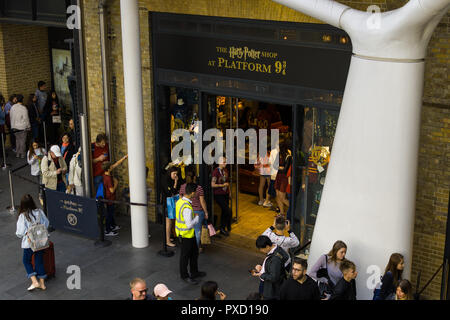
[
  {"x": 345, "y": 289},
  {"x": 300, "y": 286},
  {"x": 271, "y": 272}
]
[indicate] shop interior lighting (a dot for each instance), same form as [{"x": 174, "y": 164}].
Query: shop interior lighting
[{"x": 326, "y": 38}]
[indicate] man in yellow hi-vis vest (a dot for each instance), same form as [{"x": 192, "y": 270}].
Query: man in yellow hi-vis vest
[{"x": 184, "y": 227}]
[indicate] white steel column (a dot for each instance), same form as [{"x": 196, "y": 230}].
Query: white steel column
[{"x": 135, "y": 119}]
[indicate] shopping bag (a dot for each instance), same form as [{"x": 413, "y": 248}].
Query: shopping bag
[
  {"x": 205, "y": 239},
  {"x": 211, "y": 230},
  {"x": 56, "y": 119},
  {"x": 171, "y": 206}
]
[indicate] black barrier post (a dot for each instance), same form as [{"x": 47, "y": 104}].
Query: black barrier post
[
  {"x": 12, "y": 208},
  {"x": 45, "y": 136},
  {"x": 100, "y": 210},
  {"x": 164, "y": 252},
  {"x": 44, "y": 205},
  {"x": 5, "y": 165}
]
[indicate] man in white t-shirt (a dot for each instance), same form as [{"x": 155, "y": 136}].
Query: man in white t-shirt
[{"x": 276, "y": 234}]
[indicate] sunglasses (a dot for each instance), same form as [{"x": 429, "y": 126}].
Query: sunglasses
[{"x": 142, "y": 291}]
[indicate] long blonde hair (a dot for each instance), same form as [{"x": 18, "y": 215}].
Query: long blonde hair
[{"x": 338, "y": 245}]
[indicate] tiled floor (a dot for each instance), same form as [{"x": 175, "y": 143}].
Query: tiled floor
[{"x": 252, "y": 221}]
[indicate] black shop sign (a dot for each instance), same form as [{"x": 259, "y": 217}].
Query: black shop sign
[{"x": 288, "y": 64}]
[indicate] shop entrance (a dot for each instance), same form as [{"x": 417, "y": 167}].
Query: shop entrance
[
  {"x": 306, "y": 130},
  {"x": 253, "y": 208}
]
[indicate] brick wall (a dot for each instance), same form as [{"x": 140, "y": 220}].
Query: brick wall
[
  {"x": 3, "y": 87},
  {"x": 433, "y": 183},
  {"x": 433, "y": 175},
  {"x": 24, "y": 58}
]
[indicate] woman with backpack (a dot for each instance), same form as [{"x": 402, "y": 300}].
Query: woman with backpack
[
  {"x": 327, "y": 270},
  {"x": 30, "y": 215},
  {"x": 391, "y": 277}
]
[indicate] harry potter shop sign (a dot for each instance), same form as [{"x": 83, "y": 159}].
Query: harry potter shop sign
[
  {"x": 291, "y": 64},
  {"x": 72, "y": 213}
]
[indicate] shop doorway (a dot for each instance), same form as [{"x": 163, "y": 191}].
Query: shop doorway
[
  {"x": 253, "y": 208},
  {"x": 307, "y": 129}
]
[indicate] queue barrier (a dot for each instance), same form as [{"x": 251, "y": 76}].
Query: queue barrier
[{"x": 82, "y": 216}]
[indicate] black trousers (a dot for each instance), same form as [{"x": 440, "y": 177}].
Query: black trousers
[
  {"x": 225, "y": 219},
  {"x": 188, "y": 256}
]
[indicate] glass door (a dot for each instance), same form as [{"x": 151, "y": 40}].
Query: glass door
[
  {"x": 314, "y": 140},
  {"x": 221, "y": 113}
]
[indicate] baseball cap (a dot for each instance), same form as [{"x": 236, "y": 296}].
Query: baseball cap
[
  {"x": 161, "y": 290},
  {"x": 56, "y": 150}
]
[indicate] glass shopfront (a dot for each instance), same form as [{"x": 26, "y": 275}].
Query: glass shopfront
[{"x": 223, "y": 92}]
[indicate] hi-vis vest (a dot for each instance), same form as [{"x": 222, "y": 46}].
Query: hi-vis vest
[{"x": 180, "y": 225}]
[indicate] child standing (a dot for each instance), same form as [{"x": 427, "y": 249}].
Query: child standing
[{"x": 109, "y": 186}]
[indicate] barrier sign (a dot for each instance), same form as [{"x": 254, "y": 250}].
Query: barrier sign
[{"x": 73, "y": 214}]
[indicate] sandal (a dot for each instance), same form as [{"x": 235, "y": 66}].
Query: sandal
[
  {"x": 33, "y": 286},
  {"x": 172, "y": 245}
]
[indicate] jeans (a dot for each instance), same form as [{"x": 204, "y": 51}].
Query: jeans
[
  {"x": 21, "y": 145},
  {"x": 225, "y": 219},
  {"x": 198, "y": 226},
  {"x": 97, "y": 181},
  {"x": 288, "y": 213},
  {"x": 109, "y": 223},
  {"x": 35, "y": 131},
  {"x": 39, "y": 270},
  {"x": 61, "y": 187}
]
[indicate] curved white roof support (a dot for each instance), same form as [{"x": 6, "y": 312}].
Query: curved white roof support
[
  {"x": 324, "y": 10},
  {"x": 402, "y": 34},
  {"x": 369, "y": 196}
]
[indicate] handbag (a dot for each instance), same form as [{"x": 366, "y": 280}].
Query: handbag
[
  {"x": 325, "y": 288},
  {"x": 323, "y": 272},
  {"x": 205, "y": 239},
  {"x": 211, "y": 230}
]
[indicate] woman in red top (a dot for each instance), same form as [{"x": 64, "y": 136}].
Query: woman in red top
[
  {"x": 281, "y": 181},
  {"x": 222, "y": 192}
]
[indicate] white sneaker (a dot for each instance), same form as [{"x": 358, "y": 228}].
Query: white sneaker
[
  {"x": 260, "y": 203},
  {"x": 111, "y": 233},
  {"x": 267, "y": 204},
  {"x": 116, "y": 228}
]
